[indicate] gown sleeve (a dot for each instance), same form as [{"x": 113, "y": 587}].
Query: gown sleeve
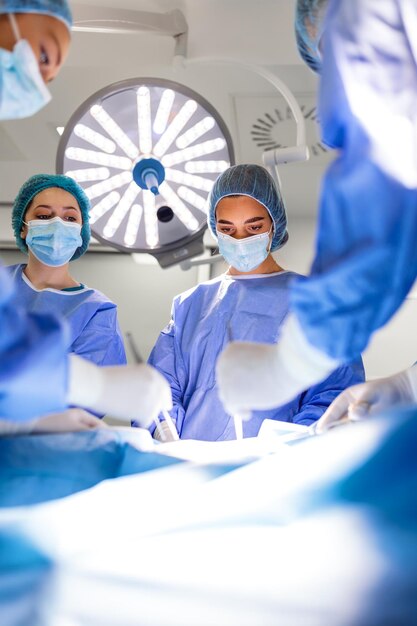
[
  {"x": 33, "y": 359},
  {"x": 166, "y": 358},
  {"x": 318, "y": 398},
  {"x": 101, "y": 340}
]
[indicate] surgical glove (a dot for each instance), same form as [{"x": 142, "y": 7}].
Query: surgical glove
[
  {"x": 254, "y": 376},
  {"x": 72, "y": 420},
  {"x": 128, "y": 392},
  {"x": 367, "y": 399}
]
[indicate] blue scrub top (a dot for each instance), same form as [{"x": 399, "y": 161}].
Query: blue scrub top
[
  {"x": 95, "y": 332},
  {"x": 250, "y": 308}
]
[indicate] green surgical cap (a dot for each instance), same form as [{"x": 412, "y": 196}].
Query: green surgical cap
[
  {"x": 35, "y": 185},
  {"x": 55, "y": 8}
]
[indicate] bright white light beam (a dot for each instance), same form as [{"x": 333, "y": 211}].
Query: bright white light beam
[
  {"x": 89, "y": 173},
  {"x": 178, "y": 206},
  {"x": 207, "y": 147},
  {"x": 183, "y": 178},
  {"x": 206, "y": 167},
  {"x": 143, "y": 99},
  {"x": 103, "y": 206},
  {"x": 113, "y": 129},
  {"x": 194, "y": 133},
  {"x": 193, "y": 198},
  {"x": 108, "y": 185},
  {"x": 119, "y": 213},
  {"x": 133, "y": 224},
  {"x": 96, "y": 139},
  {"x": 98, "y": 158},
  {"x": 151, "y": 222},
  {"x": 175, "y": 127},
  {"x": 163, "y": 112}
]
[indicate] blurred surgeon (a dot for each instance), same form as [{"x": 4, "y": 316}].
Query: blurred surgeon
[
  {"x": 50, "y": 220},
  {"x": 249, "y": 302},
  {"x": 366, "y": 254},
  {"x": 36, "y": 375},
  {"x": 34, "y": 43}
]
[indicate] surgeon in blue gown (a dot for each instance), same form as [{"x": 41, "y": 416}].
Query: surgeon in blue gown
[
  {"x": 366, "y": 252},
  {"x": 50, "y": 220},
  {"x": 36, "y": 374},
  {"x": 250, "y": 302},
  {"x": 32, "y": 347}
]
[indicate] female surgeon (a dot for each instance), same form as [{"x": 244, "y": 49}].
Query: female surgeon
[
  {"x": 249, "y": 302},
  {"x": 50, "y": 220},
  {"x": 34, "y": 41}
]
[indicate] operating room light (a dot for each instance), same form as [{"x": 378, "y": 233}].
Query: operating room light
[
  {"x": 163, "y": 112},
  {"x": 107, "y": 203},
  {"x": 147, "y": 153},
  {"x": 89, "y": 173},
  {"x": 96, "y": 139}
]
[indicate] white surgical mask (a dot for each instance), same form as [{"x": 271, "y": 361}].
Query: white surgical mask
[
  {"x": 245, "y": 254},
  {"x": 22, "y": 89}
]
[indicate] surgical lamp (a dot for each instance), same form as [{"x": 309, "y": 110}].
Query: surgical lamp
[{"x": 147, "y": 152}]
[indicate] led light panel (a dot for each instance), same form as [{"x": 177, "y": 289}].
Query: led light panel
[{"x": 138, "y": 131}]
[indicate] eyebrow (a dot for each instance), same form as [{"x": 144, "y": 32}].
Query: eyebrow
[
  {"x": 48, "y": 206},
  {"x": 249, "y": 221},
  {"x": 59, "y": 55},
  {"x": 59, "y": 49}
]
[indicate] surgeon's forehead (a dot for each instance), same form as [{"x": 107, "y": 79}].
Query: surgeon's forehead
[
  {"x": 240, "y": 204},
  {"x": 53, "y": 196}
]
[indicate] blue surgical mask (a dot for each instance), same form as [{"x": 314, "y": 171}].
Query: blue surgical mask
[
  {"x": 22, "y": 89},
  {"x": 245, "y": 254},
  {"x": 53, "y": 242}
]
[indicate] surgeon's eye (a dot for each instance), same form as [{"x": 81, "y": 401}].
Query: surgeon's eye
[
  {"x": 44, "y": 58},
  {"x": 43, "y": 216},
  {"x": 70, "y": 218}
]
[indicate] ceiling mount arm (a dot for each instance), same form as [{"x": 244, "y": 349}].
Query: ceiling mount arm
[
  {"x": 121, "y": 21},
  {"x": 271, "y": 158}
]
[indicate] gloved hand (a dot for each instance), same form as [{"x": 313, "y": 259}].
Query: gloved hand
[
  {"x": 366, "y": 399},
  {"x": 69, "y": 421},
  {"x": 129, "y": 392},
  {"x": 72, "y": 420},
  {"x": 260, "y": 376}
]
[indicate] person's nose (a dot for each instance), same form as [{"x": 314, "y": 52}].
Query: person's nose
[{"x": 240, "y": 233}]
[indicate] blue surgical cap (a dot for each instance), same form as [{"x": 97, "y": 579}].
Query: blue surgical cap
[
  {"x": 309, "y": 18},
  {"x": 55, "y": 8},
  {"x": 35, "y": 185},
  {"x": 256, "y": 182}
]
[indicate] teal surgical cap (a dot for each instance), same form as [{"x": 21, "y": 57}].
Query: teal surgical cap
[
  {"x": 309, "y": 19},
  {"x": 35, "y": 185},
  {"x": 256, "y": 182},
  {"x": 55, "y": 8}
]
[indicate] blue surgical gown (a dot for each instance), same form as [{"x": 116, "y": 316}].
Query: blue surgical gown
[
  {"x": 204, "y": 319},
  {"x": 366, "y": 254},
  {"x": 95, "y": 333},
  {"x": 32, "y": 358}
]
